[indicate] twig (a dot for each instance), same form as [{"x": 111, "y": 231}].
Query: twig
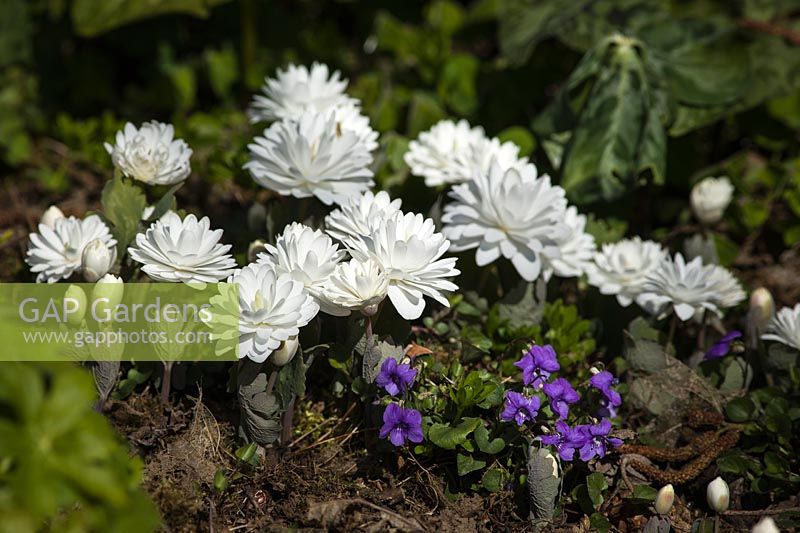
[
  {"x": 758, "y": 512},
  {"x": 763, "y": 26}
]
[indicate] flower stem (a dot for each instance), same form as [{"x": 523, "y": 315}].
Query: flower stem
[
  {"x": 166, "y": 381},
  {"x": 673, "y": 326},
  {"x": 287, "y": 423},
  {"x": 273, "y": 377}
]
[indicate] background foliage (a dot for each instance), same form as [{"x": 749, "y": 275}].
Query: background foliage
[{"x": 626, "y": 103}]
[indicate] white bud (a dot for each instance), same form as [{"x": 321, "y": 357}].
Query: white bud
[
  {"x": 718, "y": 495},
  {"x": 76, "y": 305},
  {"x": 765, "y": 525},
  {"x": 147, "y": 212},
  {"x": 285, "y": 351},
  {"x": 256, "y": 247},
  {"x": 96, "y": 260},
  {"x": 594, "y": 370},
  {"x": 111, "y": 288},
  {"x": 710, "y": 197},
  {"x": 664, "y": 499},
  {"x": 762, "y": 308},
  {"x": 51, "y": 215},
  {"x": 553, "y": 462}
]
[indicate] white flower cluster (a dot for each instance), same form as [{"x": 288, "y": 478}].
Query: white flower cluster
[
  {"x": 151, "y": 154},
  {"x": 501, "y": 206},
  {"x": 689, "y": 289},
  {"x": 394, "y": 254},
  {"x": 319, "y": 143},
  {"x": 66, "y": 245},
  {"x": 785, "y": 327},
  {"x": 453, "y": 152}
]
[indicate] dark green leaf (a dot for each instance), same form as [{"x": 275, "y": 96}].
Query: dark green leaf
[{"x": 740, "y": 409}]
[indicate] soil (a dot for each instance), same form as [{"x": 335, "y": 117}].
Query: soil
[{"x": 323, "y": 483}]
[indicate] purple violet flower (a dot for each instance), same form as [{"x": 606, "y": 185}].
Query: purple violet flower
[
  {"x": 519, "y": 408},
  {"x": 566, "y": 440},
  {"x": 722, "y": 346},
  {"x": 395, "y": 378},
  {"x": 537, "y": 364},
  {"x": 596, "y": 440},
  {"x": 561, "y": 394},
  {"x": 603, "y": 381},
  {"x": 401, "y": 424}
]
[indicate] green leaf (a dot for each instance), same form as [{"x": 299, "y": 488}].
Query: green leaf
[
  {"x": 220, "y": 481},
  {"x": 643, "y": 493},
  {"x": 520, "y": 136},
  {"x": 740, "y": 409},
  {"x": 596, "y": 485},
  {"x": 123, "y": 203},
  {"x": 91, "y": 17},
  {"x": 448, "y": 437},
  {"x": 291, "y": 380},
  {"x": 484, "y": 444},
  {"x": 618, "y": 132},
  {"x": 247, "y": 452},
  {"x": 474, "y": 336},
  {"x": 457, "y": 84},
  {"x": 492, "y": 480},
  {"x": 424, "y": 112},
  {"x": 466, "y": 464},
  {"x": 165, "y": 203},
  {"x": 600, "y": 523}
]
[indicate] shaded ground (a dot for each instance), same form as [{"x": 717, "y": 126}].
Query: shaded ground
[{"x": 327, "y": 482}]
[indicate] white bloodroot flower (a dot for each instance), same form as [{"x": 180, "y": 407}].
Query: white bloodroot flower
[
  {"x": 718, "y": 495},
  {"x": 409, "y": 250},
  {"x": 295, "y": 90},
  {"x": 311, "y": 157},
  {"x": 358, "y": 286},
  {"x": 185, "y": 251},
  {"x": 453, "y": 152},
  {"x": 360, "y": 216},
  {"x": 272, "y": 309},
  {"x": 574, "y": 250},
  {"x": 621, "y": 268},
  {"x": 151, "y": 154},
  {"x": 349, "y": 118},
  {"x": 308, "y": 256},
  {"x": 785, "y": 327},
  {"x": 710, "y": 197},
  {"x": 513, "y": 213},
  {"x": 97, "y": 259},
  {"x": 56, "y": 253},
  {"x": 50, "y": 216},
  {"x": 765, "y": 525},
  {"x": 689, "y": 288}
]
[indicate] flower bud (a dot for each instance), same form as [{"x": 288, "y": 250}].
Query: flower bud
[
  {"x": 75, "y": 304},
  {"x": 285, "y": 351},
  {"x": 664, "y": 499},
  {"x": 710, "y": 197},
  {"x": 256, "y": 247},
  {"x": 718, "y": 495},
  {"x": 762, "y": 308},
  {"x": 765, "y": 525},
  {"x": 50, "y": 216},
  {"x": 111, "y": 288},
  {"x": 96, "y": 260},
  {"x": 594, "y": 370}
]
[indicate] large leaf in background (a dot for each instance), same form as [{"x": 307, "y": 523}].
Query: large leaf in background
[
  {"x": 772, "y": 68},
  {"x": 579, "y": 24},
  {"x": 93, "y": 17},
  {"x": 614, "y": 105}
]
